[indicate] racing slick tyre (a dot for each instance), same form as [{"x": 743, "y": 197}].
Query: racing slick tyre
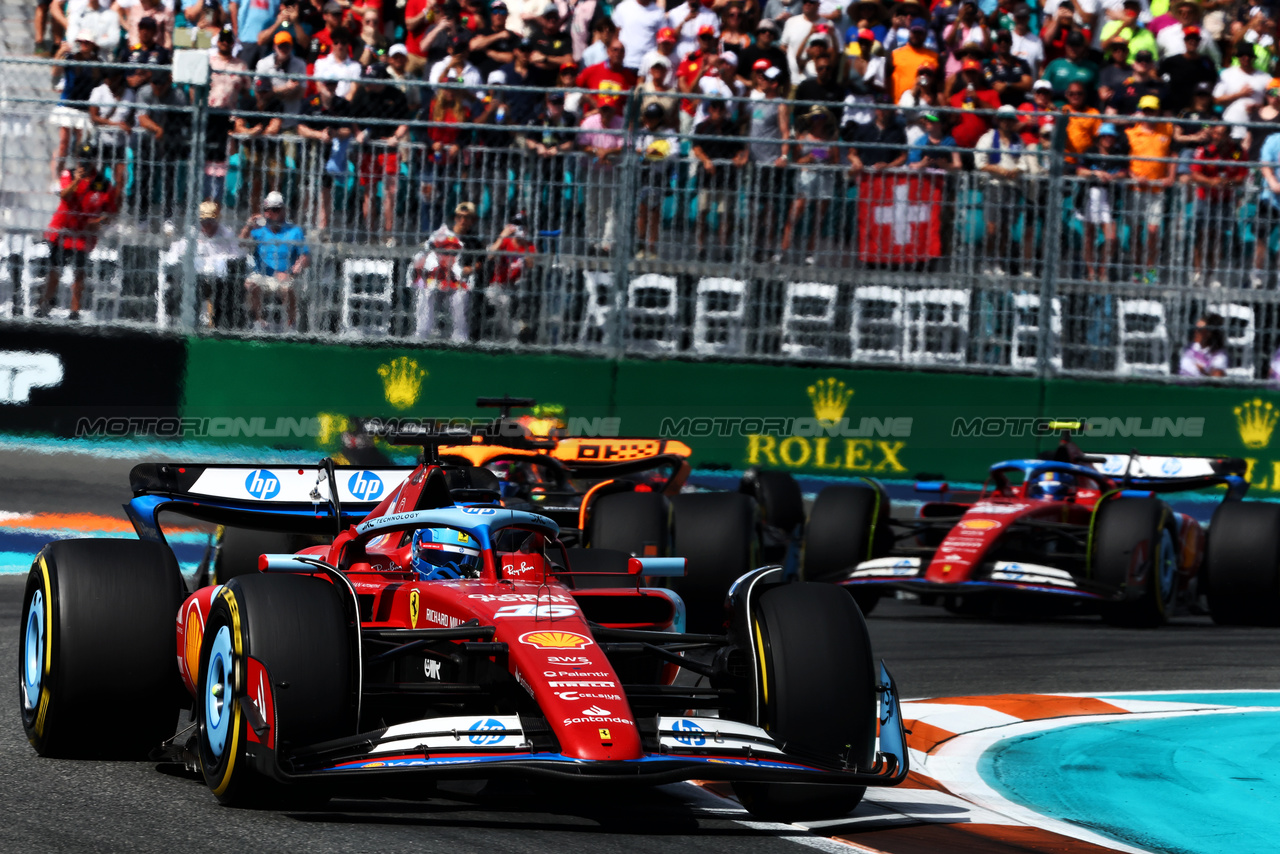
[
  {"x": 296, "y": 627},
  {"x": 96, "y": 674},
  {"x": 781, "y": 509},
  {"x": 1133, "y": 541},
  {"x": 1242, "y": 564},
  {"x": 240, "y": 549},
  {"x": 818, "y": 697},
  {"x": 631, "y": 522},
  {"x": 847, "y": 525},
  {"x": 715, "y": 532}
]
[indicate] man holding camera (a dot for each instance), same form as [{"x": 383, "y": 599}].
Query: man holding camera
[{"x": 86, "y": 201}]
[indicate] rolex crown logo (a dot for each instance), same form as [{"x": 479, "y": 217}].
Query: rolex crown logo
[
  {"x": 401, "y": 381},
  {"x": 830, "y": 399},
  {"x": 1255, "y": 421}
]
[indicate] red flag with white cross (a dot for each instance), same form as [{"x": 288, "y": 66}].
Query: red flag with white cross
[{"x": 900, "y": 218}]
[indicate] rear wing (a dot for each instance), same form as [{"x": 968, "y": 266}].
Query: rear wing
[
  {"x": 319, "y": 499},
  {"x": 1172, "y": 473}
]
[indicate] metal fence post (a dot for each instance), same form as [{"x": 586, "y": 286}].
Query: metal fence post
[
  {"x": 198, "y": 77},
  {"x": 1052, "y": 253},
  {"x": 624, "y": 219}
]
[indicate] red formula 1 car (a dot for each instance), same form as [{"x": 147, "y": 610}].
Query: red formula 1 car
[
  {"x": 1079, "y": 529},
  {"x": 439, "y": 639}
]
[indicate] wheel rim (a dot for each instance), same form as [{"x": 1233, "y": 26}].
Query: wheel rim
[
  {"x": 1168, "y": 568},
  {"x": 218, "y": 696},
  {"x": 33, "y": 653}
]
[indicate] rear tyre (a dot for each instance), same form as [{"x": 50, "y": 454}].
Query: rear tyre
[
  {"x": 295, "y": 625},
  {"x": 848, "y": 524},
  {"x": 715, "y": 532},
  {"x": 96, "y": 673},
  {"x": 240, "y": 548},
  {"x": 631, "y": 522},
  {"x": 817, "y": 658},
  {"x": 1242, "y": 565},
  {"x": 1134, "y": 551},
  {"x": 781, "y": 509}
]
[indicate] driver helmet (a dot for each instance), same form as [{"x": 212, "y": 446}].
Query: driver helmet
[
  {"x": 444, "y": 554},
  {"x": 1053, "y": 484}
]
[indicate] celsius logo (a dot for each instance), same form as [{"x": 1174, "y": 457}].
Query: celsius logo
[
  {"x": 365, "y": 485},
  {"x": 262, "y": 484},
  {"x": 488, "y": 725},
  {"x": 22, "y": 370},
  {"x": 694, "y": 738}
]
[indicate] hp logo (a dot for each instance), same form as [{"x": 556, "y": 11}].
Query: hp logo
[
  {"x": 695, "y": 738},
  {"x": 485, "y": 726},
  {"x": 365, "y": 485},
  {"x": 262, "y": 484},
  {"x": 1171, "y": 466}
]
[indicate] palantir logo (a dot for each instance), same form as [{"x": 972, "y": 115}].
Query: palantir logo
[
  {"x": 365, "y": 485},
  {"x": 695, "y": 738},
  {"x": 22, "y": 370},
  {"x": 487, "y": 725},
  {"x": 262, "y": 484}
]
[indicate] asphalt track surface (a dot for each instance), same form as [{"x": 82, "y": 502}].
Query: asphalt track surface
[{"x": 60, "y": 805}]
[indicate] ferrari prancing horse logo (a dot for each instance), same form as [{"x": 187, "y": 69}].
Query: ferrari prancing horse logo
[{"x": 413, "y": 608}]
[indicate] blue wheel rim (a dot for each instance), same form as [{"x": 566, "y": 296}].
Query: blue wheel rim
[
  {"x": 1168, "y": 568},
  {"x": 218, "y": 688},
  {"x": 33, "y": 653}
]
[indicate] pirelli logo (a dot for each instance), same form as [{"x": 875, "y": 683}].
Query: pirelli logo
[{"x": 618, "y": 451}]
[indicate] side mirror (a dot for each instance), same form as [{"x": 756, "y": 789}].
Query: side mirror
[
  {"x": 657, "y": 567},
  {"x": 932, "y": 486}
]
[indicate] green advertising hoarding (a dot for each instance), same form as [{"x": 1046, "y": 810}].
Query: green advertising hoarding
[{"x": 809, "y": 420}]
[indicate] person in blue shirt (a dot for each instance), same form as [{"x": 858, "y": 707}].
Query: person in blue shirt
[
  {"x": 251, "y": 17},
  {"x": 1268, "y": 208},
  {"x": 279, "y": 255},
  {"x": 936, "y": 149}
]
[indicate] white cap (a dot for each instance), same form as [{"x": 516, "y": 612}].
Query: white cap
[
  {"x": 1007, "y": 110},
  {"x": 1041, "y": 85},
  {"x": 398, "y": 50},
  {"x": 273, "y": 200}
]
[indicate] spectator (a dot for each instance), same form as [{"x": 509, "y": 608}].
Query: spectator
[
  {"x": 770, "y": 120},
  {"x": 879, "y": 144},
  {"x": 936, "y": 150},
  {"x": 86, "y": 201},
  {"x": 1026, "y": 42},
  {"x": 552, "y": 47},
  {"x": 821, "y": 43},
  {"x": 796, "y": 33},
  {"x": 1083, "y": 126},
  {"x": 1074, "y": 67},
  {"x": 977, "y": 100},
  {"x": 766, "y": 49},
  {"x": 407, "y": 81},
  {"x": 327, "y": 119},
  {"x": 969, "y": 30},
  {"x": 163, "y": 144},
  {"x": 908, "y": 59},
  {"x": 161, "y": 22},
  {"x": 720, "y": 158},
  {"x": 699, "y": 73},
  {"x": 734, "y": 35},
  {"x": 1268, "y": 210},
  {"x": 382, "y": 106},
  {"x": 1241, "y": 89},
  {"x": 565, "y": 79},
  {"x": 1128, "y": 30},
  {"x": 1206, "y": 355},
  {"x": 251, "y": 17},
  {"x": 339, "y": 65},
  {"x": 1102, "y": 170},
  {"x": 495, "y": 45},
  {"x": 464, "y": 231},
  {"x": 550, "y": 146},
  {"x": 1008, "y": 75},
  {"x": 216, "y": 252},
  {"x": 664, "y": 51},
  {"x": 1113, "y": 75},
  {"x": 99, "y": 21},
  {"x": 289, "y": 92},
  {"x": 258, "y": 118},
  {"x": 812, "y": 152},
  {"x": 1217, "y": 173},
  {"x": 43, "y": 21},
  {"x": 823, "y": 87},
  {"x": 226, "y": 83},
  {"x": 782, "y": 11},
  {"x": 1267, "y": 118},
  {"x": 610, "y": 76},
  {"x": 1037, "y": 113},
  {"x": 333, "y": 16},
  {"x": 1143, "y": 82},
  {"x": 1176, "y": 40},
  {"x": 71, "y": 115},
  {"x": 865, "y": 64},
  {"x": 457, "y": 66},
  {"x": 518, "y": 108},
  {"x": 1188, "y": 137},
  {"x": 1057, "y": 27},
  {"x": 602, "y": 32},
  {"x": 434, "y": 43},
  {"x": 1150, "y": 176},
  {"x": 691, "y": 20},
  {"x": 279, "y": 255},
  {"x": 146, "y": 53},
  {"x": 1004, "y": 161},
  {"x": 287, "y": 21},
  {"x": 371, "y": 44},
  {"x": 658, "y": 150},
  {"x": 513, "y": 254},
  {"x": 444, "y": 291},
  {"x": 1184, "y": 71},
  {"x": 655, "y": 89},
  {"x": 111, "y": 112},
  {"x": 604, "y": 148}
]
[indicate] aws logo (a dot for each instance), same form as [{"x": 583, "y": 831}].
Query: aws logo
[
  {"x": 828, "y": 441},
  {"x": 1255, "y": 422},
  {"x": 402, "y": 381}
]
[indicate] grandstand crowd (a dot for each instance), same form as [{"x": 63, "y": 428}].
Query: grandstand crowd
[{"x": 836, "y": 92}]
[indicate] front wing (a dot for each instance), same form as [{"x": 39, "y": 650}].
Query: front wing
[{"x": 907, "y": 573}]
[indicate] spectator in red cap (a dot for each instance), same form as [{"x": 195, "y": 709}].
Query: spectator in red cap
[
  {"x": 1174, "y": 40},
  {"x": 1218, "y": 174},
  {"x": 1185, "y": 71},
  {"x": 765, "y": 48},
  {"x": 443, "y": 292},
  {"x": 977, "y": 99},
  {"x": 640, "y": 27},
  {"x": 612, "y": 75},
  {"x": 691, "y": 20},
  {"x": 666, "y": 49}
]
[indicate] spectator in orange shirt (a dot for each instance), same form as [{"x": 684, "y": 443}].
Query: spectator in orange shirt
[
  {"x": 1083, "y": 130},
  {"x": 908, "y": 59},
  {"x": 1150, "y": 144}
]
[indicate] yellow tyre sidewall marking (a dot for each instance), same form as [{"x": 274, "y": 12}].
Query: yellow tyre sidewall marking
[
  {"x": 42, "y": 709},
  {"x": 233, "y": 743}
]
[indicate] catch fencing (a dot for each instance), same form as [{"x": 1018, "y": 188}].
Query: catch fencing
[{"x": 941, "y": 264}]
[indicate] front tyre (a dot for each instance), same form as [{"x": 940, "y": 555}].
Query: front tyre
[
  {"x": 1134, "y": 552},
  {"x": 848, "y": 524}
]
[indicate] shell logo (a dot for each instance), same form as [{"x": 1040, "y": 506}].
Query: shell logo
[
  {"x": 555, "y": 640},
  {"x": 194, "y": 634},
  {"x": 979, "y": 524}
]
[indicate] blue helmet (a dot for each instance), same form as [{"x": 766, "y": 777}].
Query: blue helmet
[
  {"x": 1052, "y": 485},
  {"x": 443, "y": 554}
]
